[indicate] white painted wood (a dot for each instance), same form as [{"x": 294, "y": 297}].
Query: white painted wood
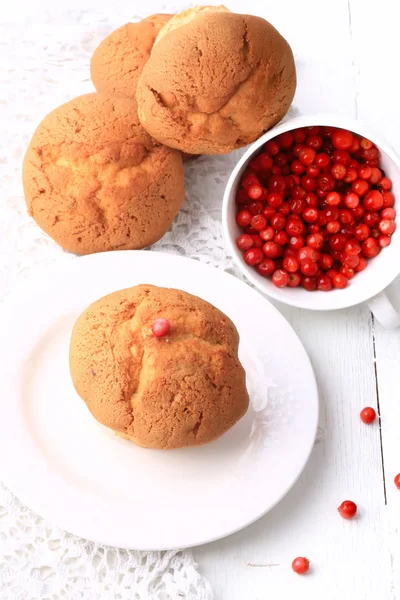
[
  {"x": 346, "y": 53},
  {"x": 338, "y": 54}
]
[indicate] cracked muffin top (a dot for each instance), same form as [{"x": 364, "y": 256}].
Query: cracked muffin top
[
  {"x": 216, "y": 82},
  {"x": 95, "y": 180},
  {"x": 119, "y": 59},
  {"x": 183, "y": 389}
]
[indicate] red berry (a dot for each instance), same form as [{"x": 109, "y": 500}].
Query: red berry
[
  {"x": 368, "y": 415},
  {"x": 307, "y": 254},
  {"x": 342, "y": 139},
  {"x": 281, "y": 238},
  {"x": 280, "y": 278},
  {"x": 328, "y": 213},
  {"x": 255, "y": 208},
  {"x": 161, "y": 327},
  {"x": 361, "y": 232},
  {"x": 300, "y": 565},
  {"x": 266, "y": 267},
  {"x": 371, "y": 219},
  {"x": 244, "y": 242},
  {"x": 366, "y": 144},
  {"x": 342, "y": 157},
  {"x": 294, "y": 227},
  {"x": 376, "y": 175},
  {"x": 309, "y": 183},
  {"x": 307, "y": 155},
  {"x": 351, "y": 175},
  {"x": 309, "y": 283},
  {"x": 254, "y": 256},
  {"x": 291, "y": 264},
  {"x": 258, "y": 222},
  {"x": 267, "y": 234},
  {"x": 277, "y": 183},
  {"x": 370, "y": 247},
  {"x": 310, "y": 215},
  {"x": 272, "y": 148},
  {"x": 254, "y": 192},
  {"x": 333, "y": 199},
  {"x": 333, "y": 227},
  {"x": 284, "y": 209},
  {"x": 265, "y": 161},
  {"x": 388, "y": 213},
  {"x": 387, "y": 226},
  {"x": 322, "y": 160},
  {"x": 338, "y": 241},
  {"x": 314, "y": 228},
  {"x": 243, "y": 217},
  {"x": 347, "y": 509},
  {"x": 388, "y": 199},
  {"x": 351, "y": 200},
  {"x": 326, "y": 262},
  {"x": 275, "y": 199},
  {"x": 326, "y": 182},
  {"x": 271, "y": 250},
  {"x": 314, "y": 141},
  {"x": 297, "y": 206},
  {"x": 339, "y": 171},
  {"x": 294, "y": 279},
  {"x": 311, "y": 200},
  {"x": 299, "y": 136},
  {"x": 352, "y": 247},
  {"x": 313, "y": 170},
  {"x": 373, "y": 201},
  {"x": 268, "y": 211},
  {"x": 384, "y": 241},
  {"x": 347, "y": 271},
  {"x": 296, "y": 241},
  {"x": 385, "y": 184},
  {"x": 324, "y": 283},
  {"x": 250, "y": 179},
  {"x": 256, "y": 240},
  {"x": 278, "y": 221},
  {"x": 315, "y": 240},
  {"x": 397, "y": 481},
  {"x": 365, "y": 172},
  {"x": 360, "y": 187},
  {"x": 297, "y": 167},
  {"x": 346, "y": 216},
  {"x": 339, "y": 281},
  {"x": 309, "y": 268},
  {"x": 361, "y": 265},
  {"x": 350, "y": 260},
  {"x": 285, "y": 140}
]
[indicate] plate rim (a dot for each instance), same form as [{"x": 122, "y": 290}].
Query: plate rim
[{"x": 44, "y": 278}]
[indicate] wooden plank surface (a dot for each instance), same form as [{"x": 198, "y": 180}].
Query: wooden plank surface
[{"x": 339, "y": 56}]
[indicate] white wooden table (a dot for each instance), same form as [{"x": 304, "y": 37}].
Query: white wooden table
[{"x": 346, "y": 54}]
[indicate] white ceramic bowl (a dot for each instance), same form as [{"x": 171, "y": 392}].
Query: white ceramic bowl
[{"x": 371, "y": 282}]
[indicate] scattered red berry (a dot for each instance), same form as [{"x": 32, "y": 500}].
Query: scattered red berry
[
  {"x": 300, "y": 565},
  {"x": 368, "y": 415},
  {"x": 397, "y": 481},
  {"x": 314, "y": 207},
  {"x": 347, "y": 509},
  {"x": 161, "y": 327}
]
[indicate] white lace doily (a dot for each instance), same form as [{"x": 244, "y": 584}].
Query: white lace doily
[{"x": 44, "y": 62}]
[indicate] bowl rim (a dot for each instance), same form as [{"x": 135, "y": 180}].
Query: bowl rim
[{"x": 339, "y": 301}]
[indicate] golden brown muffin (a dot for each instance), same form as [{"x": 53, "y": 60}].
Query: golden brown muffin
[
  {"x": 119, "y": 59},
  {"x": 216, "y": 83},
  {"x": 184, "y": 389},
  {"x": 94, "y": 179}
]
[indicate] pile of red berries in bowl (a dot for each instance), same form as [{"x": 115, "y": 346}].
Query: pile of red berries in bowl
[{"x": 314, "y": 207}]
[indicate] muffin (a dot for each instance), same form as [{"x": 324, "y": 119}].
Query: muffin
[
  {"x": 119, "y": 59},
  {"x": 182, "y": 386},
  {"x": 216, "y": 82},
  {"x": 95, "y": 180}
]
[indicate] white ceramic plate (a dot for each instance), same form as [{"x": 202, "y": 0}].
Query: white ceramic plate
[{"x": 79, "y": 475}]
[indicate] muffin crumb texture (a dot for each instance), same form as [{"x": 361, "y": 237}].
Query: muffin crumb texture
[
  {"x": 95, "y": 180},
  {"x": 184, "y": 389},
  {"x": 216, "y": 82}
]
